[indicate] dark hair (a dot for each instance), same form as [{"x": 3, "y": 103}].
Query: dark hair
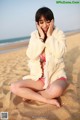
[{"x": 44, "y": 11}]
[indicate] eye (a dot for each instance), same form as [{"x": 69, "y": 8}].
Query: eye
[
  {"x": 48, "y": 21},
  {"x": 40, "y": 22}
]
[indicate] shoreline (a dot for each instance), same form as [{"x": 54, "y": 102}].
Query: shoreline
[
  {"x": 12, "y": 47},
  {"x": 19, "y": 45}
]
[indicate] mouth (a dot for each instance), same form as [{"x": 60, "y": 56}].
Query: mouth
[{"x": 45, "y": 30}]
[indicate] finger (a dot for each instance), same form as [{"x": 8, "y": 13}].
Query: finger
[
  {"x": 52, "y": 22},
  {"x": 38, "y": 27},
  {"x": 37, "y": 24}
]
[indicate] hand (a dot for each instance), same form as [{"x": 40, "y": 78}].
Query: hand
[
  {"x": 41, "y": 33},
  {"x": 50, "y": 29}
]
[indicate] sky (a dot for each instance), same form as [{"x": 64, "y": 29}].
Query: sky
[{"x": 17, "y": 17}]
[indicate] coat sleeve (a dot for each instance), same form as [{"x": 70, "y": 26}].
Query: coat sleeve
[
  {"x": 57, "y": 45},
  {"x": 35, "y": 47}
]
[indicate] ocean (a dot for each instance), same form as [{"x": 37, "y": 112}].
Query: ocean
[
  {"x": 13, "y": 40},
  {"x": 6, "y": 45},
  {"x": 25, "y": 38},
  {"x": 12, "y": 44}
]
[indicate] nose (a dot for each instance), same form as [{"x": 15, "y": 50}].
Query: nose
[{"x": 45, "y": 25}]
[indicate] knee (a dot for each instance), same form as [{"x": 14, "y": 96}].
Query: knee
[
  {"x": 49, "y": 95},
  {"x": 55, "y": 92}
]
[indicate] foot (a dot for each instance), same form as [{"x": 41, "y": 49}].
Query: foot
[{"x": 53, "y": 102}]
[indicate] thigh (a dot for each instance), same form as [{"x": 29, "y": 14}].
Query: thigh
[
  {"x": 55, "y": 89},
  {"x": 58, "y": 85},
  {"x": 35, "y": 85}
]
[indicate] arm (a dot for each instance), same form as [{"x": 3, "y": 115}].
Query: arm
[
  {"x": 56, "y": 44},
  {"x": 35, "y": 46}
]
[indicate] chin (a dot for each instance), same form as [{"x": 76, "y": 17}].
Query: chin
[{"x": 45, "y": 32}]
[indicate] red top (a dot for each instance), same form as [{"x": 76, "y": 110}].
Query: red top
[{"x": 42, "y": 61}]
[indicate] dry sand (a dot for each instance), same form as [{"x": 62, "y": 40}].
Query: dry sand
[{"x": 13, "y": 66}]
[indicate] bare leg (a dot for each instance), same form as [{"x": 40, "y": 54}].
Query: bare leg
[
  {"x": 55, "y": 90},
  {"x": 22, "y": 89}
]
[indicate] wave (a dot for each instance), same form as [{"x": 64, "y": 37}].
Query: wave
[
  {"x": 8, "y": 45},
  {"x": 13, "y": 40}
]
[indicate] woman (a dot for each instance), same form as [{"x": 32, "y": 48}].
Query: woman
[{"x": 47, "y": 80}]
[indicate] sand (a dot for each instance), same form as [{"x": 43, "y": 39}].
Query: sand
[{"x": 13, "y": 66}]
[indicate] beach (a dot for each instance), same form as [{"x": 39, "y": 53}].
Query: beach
[{"x": 13, "y": 66}]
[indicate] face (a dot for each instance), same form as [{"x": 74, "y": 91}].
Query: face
[{"x": 44, "y": 24}]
